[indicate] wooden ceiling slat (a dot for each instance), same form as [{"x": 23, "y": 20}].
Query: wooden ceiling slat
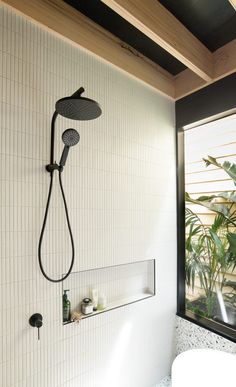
[
  {"x": 71, "y": 24},
  {"x": 155, "y": 21},
  {"x": 233, "y": 3},
  {"x": 187, "y": 82},
  {"x": 224, "y": 60},
  {"x": 80, "y": 30}
]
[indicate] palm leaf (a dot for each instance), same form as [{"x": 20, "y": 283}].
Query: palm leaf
[
  {"x": 229, "y": 196},
  {"x": 229, "y": 168},
  {"x": 218, "y": 223},
  {"x": 232, "y": 242},
  {"x": 220, "y": 208}
]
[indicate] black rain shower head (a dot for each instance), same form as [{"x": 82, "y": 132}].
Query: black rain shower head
[
  {"x": 70, "y": 137},
  {"x": 76, "y": 107}
]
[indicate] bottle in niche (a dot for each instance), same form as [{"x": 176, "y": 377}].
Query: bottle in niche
[
  {"x": 66, "y": 307},
  {"x": 102, "y": 301},
  {"x": 94, "y": 297}
]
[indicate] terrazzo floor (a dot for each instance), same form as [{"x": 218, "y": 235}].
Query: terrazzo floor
[{"x": 166, "y": 382}]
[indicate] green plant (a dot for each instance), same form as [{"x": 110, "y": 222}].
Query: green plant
[{"x": 211, "y": 250}]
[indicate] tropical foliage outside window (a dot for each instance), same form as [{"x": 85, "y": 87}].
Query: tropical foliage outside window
[{"x": 211, "y": 247}]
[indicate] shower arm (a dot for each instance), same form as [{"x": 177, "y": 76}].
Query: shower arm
[
  {"x": 53, "y": 165},
  {"x": 54, "y": 117}
]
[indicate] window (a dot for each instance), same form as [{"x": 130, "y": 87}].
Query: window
[
  {"x": 206, "y": 221},
  {"x": 210, "y": 221}
]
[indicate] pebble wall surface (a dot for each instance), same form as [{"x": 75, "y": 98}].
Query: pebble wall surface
[{"x": 190, "y": 336}]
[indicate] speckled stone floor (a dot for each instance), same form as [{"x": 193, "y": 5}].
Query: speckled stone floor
[{"x": 166, "y": 382}]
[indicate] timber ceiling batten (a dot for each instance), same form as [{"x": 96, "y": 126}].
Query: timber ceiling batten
[
  {"x": 224, "y": 64},
  {"x": 161, "y": 26},
  {"x": 71, "y": 24},
  {"x": 233, "y": 3},
  {"x": 153, "y": 26}
]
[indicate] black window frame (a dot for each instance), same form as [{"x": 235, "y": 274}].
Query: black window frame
[{"x": 207, "y": 104}]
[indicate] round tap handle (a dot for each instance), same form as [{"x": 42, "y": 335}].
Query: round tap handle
[{"x": 36, "y": 320}]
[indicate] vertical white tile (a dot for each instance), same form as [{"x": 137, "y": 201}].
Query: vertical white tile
[{"x": 114, "y": 180}]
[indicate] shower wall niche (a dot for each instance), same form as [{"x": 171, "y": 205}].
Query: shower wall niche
[{"x": 121, "y": 284}]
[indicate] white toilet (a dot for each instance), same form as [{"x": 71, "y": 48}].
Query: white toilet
[{"x": 204, "y": 368}]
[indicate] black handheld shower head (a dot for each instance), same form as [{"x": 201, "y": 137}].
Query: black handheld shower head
[
  {"x": 70, "y": 137},
  {"x": 76, "y": 107}
]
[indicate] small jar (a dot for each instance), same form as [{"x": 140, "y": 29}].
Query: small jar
[{"x": 87, "y": 306}]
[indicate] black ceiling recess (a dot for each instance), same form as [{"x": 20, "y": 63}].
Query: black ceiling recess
[
  {"x": 112, "y": 22},
  {"x": 213, "y": 22}
]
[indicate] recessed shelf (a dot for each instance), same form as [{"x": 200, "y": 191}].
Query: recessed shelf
[{"x": 122, "y": 284}]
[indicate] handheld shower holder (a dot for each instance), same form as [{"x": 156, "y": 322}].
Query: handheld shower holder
[{"x": 52, "y": 167}]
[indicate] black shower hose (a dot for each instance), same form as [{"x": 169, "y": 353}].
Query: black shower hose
[{"x": 43, "y": 229}]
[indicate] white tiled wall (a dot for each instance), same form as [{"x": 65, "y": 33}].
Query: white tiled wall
[{"x": 120, "y": 186}]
